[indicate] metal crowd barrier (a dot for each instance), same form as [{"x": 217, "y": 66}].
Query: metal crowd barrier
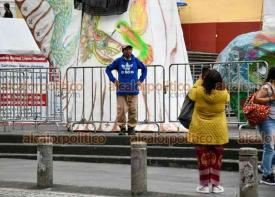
[
  {"x": 91, "y": 97},
  {"x": 30, "y": 95},
  {"x": 241, "y": 78}
]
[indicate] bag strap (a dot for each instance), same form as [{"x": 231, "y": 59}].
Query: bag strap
[
  {"x": 272, "y": 90},
  {"x": 250, "y": 99}
]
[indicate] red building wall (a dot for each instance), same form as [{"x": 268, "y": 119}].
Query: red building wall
[{"x": 214, "y": 37}]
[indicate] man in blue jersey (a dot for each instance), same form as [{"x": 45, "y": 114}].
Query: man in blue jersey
[{"x": 127, "y": 86}]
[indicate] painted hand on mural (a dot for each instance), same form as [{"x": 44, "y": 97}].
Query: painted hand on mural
[{"x": 48, "y": 22}]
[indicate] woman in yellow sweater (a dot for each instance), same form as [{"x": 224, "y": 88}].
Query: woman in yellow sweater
[{"x": 208, "y": 129}]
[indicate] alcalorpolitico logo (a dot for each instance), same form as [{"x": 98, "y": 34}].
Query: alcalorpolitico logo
[{"x": 79, "y": 138}]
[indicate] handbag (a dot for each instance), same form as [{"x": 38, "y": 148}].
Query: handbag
[
  {"x": 255, "y": 113},
  {"x": 186, "y": 112}
]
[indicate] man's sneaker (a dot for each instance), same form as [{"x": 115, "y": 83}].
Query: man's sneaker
[
  {"x": 260, "y": 169},
  {"x": 217, "y": 189},
  {"x": 131, "y": 130},
  {"x": 122, "y": 131},
  {"x": 203, "y": 189},
  {"x": 268, "y": 180}
]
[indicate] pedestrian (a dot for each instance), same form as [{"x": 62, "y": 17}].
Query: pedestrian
[
  {"x": 266, "y": 96},
  {"x": 127, "y": 86},
  {"x": 8, "y": 13},
  {"x": 208, "y": 129}
]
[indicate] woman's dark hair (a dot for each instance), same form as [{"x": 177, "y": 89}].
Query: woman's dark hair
[
  {"x": 271, "y": 75},
  {"x": 212, "y": 81},
  {"x": 7, "y": 5},
  {"x": 204, "y": 71}
]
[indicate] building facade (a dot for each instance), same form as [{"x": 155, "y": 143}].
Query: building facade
[{"x": 209, "y": 25}]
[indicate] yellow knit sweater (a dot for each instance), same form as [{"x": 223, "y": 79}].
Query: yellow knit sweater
[{"x": 208, "y": 125}]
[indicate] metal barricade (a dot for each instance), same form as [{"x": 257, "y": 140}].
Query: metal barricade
[
  {"x": 241, "y": 78},
  {"x": 91, "y": 97},
  {"x": 30, "y": 95}
]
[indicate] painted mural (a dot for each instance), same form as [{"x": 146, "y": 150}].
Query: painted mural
[
  {"x": 259, "y": 46},
  {"x": 152, "y": 27},
  {"x": 51, "y": 22},
  {"x": 95, "y": 41}
]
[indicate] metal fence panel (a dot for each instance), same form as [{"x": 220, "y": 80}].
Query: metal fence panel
[
  {"x": 30, "y": 95},
  {"x": 241, "y": 78},
  {"x": 91, "y": 97}
]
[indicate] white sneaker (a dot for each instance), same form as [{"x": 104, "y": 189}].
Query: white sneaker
[
  {"x": 203, "y": 189},
  {"x": 217, "y": 189}
]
